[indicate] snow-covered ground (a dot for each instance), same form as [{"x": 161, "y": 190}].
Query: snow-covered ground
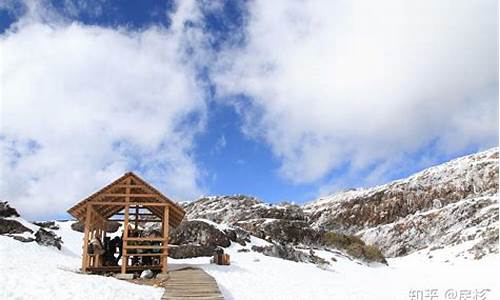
[
  {"x": 255, "y": 276},
  {"x": 30, "y": 271}
]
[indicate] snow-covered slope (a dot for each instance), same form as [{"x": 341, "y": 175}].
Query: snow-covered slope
[
  {"x": 441, "y": 206},
  {"x": 255, "y": 276},
  {"x": 31, "y": 271}
]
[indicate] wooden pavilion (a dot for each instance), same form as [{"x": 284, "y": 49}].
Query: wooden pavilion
[{"x": 134, "y": 202}]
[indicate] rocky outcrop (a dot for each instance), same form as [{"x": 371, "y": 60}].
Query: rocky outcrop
[
  {"x": 48, "y": 238},
  {"x": 23, "y": 239},
  {"x": 238, "y": 235},
  {"x": 290, "y": 253},
  {"x": 474, "y": 219},
  {"x": 441, "y": 206},
  {"x": 284, "y": 231},
  {"x": 9, "y": 226},
  {"x": 355, "y": 210},
  {"x": 47, "y": 224},
  {"x": 232, "y": 209},
  {"x": 191, "y": 250},
  {"x": 198, "y": 233},
  {"x": 111, "y": 226},
  {"x": 7, "y": 211}
]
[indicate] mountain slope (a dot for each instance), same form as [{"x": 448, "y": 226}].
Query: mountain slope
[{"x": 444, "y": 205}]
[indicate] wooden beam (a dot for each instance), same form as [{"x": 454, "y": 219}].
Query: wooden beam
[
  {"x": 164, "y": 264},
  {"x": 131, "y": 195},
  {"x": 125, "y": 232},
  {"x": 140, "y": 214},
  {"x": 85, "y": 255},
  {"x": 148, "y": 254},
  {"x": 140, "y": 221},
  {"x": 136, "y": 220},
  {"x": 140, "y": 239},
  {"x": 132, "y": 186},
  {"x": 121, "y": 203},
  {"x": 145, "y": 247}
]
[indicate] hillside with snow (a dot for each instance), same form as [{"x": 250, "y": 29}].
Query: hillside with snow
[
  {"x": 434, "y": 231},
  {"x": 31, "y": 271},
  {"x": 441, "y": 206}
]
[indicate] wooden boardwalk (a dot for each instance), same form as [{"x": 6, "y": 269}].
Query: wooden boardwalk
[{"x": 191, "y": 284}]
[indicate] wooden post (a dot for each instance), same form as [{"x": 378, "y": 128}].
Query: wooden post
[
  {"x": 125, "y": 230},
  {"x": 136, "y": 221},
  {"x": 85, "y": 255},
  {"x": 164, "y": 258}
]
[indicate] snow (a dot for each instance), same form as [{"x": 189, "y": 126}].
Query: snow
[
  {"x": 255, "y": 276},
  {"x": 30, "y": 271}
]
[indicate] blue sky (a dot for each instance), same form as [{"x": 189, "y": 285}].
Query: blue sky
[{"x": 285, "y": 101}]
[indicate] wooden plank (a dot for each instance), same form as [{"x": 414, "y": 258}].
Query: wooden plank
[
  {"x": 146, "y": 254},
  {"x": 165, "y": 237},
  {"x": 125, "y": 233},
  {"x": 140, "y": 239},
  {"x": 86, "y": 240},
  {"x": 144, "y": 247},
  {"x": 121, "y": 203},
  {"x": 140, "y": 214},
  {"x": 131, "y": 195},
  {"x": 191, "y": 284},
  {"x": 140, "y": 221}
]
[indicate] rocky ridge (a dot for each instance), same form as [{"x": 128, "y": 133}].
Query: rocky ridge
[{"x": 441, "y": 206}]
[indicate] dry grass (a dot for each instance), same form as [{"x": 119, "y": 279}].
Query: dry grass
[{"x": 354, "y": 246}]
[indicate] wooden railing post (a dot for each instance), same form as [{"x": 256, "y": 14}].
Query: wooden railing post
[
  {"x": 125, "y": 230},
  {"x": 85, "y": 255},
  {"x": 164, "y": 258}
]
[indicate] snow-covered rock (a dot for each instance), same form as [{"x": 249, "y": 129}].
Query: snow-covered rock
[
  {"x": 198, "y": 232},
  {"x": 48, "y": 238},
  {"x": 7, "y": 211},
  {"x": 232, "y": 209},
  {"x": 441, "y": 206},
  {"x": 10, "y": 226}
]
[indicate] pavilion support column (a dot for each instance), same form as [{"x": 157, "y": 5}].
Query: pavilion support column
[
  {"x": 136, "y": 221},
  {"x": 125, "y": 230},
  {"x": 85, "y": 255},
  {"x": 164, "y": 258}
]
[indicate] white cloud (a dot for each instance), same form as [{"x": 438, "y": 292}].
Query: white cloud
[
  {"x": 220, "y": 144},
  {"x": 341, "y": 82},
  {"x": 80, "y": 105}
]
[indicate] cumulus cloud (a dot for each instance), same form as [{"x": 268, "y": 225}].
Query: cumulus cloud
[
  {"x": 365, "y": 85},
  {"x": 80, "y": 105}
]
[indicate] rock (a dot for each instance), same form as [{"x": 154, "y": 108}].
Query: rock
[
  {"x": 12, "y": 226},
  {"x": 449, "y": 225},
  {"x": 198, "y": 232},
  {"x": 237, "y": 208},
  {"x": 48, "y": 238},
  {"x": 47, "y": 224},
  {"x": 436, "y": 203},
  {"x": 238, "y": 235},
  {"x": 352, "y": 211},
  {"x": 111, "y": 226},
  {"x": 188, "y": 251},
  {"x": 147, "y": 274},
  {"x": 243, "y": 250},
  {"x": 23, "y": 239},
  {"x": 7, "y": 211},
  {"x": 284, "y": 231},
  {"x": 289, "y": 253}
]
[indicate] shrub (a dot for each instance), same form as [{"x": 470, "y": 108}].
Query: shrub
[{"x": 354, "y": 246}]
